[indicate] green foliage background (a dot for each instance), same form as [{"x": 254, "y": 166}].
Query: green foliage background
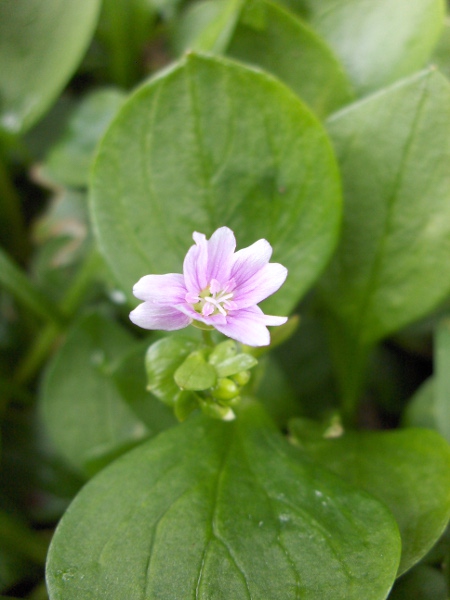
[{"x": 320, "y": 125}]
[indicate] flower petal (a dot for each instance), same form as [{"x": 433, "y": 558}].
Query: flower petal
[
  {"x": 195, "y": 265},
  {"x": 249, "y": 261},
  {"x": 152, "y": 316},
  {"x": 262, "y": 284},
  {"x": 221, "y": 247},
  {"x": 161, "y": 289},
  {"x": 247, "y": 326},
  {"x": 274, "y": 321}
]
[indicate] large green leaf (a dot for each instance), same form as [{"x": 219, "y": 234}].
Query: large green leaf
[
  {"x": 378, "y": 42},
  {"x": 210, "y": 143},
  {"x": 407, "y": 470},
  {"x": 41, "y": 44},
  {"x": 279, "y": 42},
  {"x": 441, "y": 55},
  {"x": 214, "y": 510},
  {"x": 82, "y": 407},
  {"x": 392, "y": 264}
]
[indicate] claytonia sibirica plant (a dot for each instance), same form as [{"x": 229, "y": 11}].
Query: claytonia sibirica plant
[
  {"x": 227, "y": 460},
  {"x": 219, "y": 288}
]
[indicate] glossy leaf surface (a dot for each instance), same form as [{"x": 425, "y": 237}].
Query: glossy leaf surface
[
  {"x": 222, "y": 510},
  {"x": 407, "y": 470}
]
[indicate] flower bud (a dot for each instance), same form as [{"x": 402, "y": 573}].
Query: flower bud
[
  {"x": 226, "y": 389},
  {"x": 215, "y": 411},
  {"x": 242, "y": 378}
]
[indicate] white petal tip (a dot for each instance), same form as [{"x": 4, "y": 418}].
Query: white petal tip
[{"x": 229, "y": 416}]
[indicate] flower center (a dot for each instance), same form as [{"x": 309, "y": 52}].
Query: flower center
[{"x": 214, "y": 299}]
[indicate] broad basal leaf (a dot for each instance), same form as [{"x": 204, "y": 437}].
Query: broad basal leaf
[
  {"x": 210, "y": 143},
  {"x": 392, "y": 264},
  {"x": 407, "y": 470},
  {"x": 214, "y": 510},
  {"x": 41, "y": 44}
]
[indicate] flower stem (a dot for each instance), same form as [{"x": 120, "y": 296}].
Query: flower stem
[
  {"x": 15, "y": 280},
  {"x": 207, "y": 338}
]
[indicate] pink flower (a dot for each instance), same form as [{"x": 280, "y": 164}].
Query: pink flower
[{"x": 219, "y": 287}]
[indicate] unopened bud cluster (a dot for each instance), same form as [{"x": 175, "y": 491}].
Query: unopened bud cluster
[
  {"x": 187, "y": 375},
  {"x": 214, "y": 377}
]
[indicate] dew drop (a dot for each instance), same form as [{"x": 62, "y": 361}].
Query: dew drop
[
  {"x": 98, "y": 358},
  {"x": 118, "y": 297}
]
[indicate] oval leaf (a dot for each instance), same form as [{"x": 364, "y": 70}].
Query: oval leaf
[
  {"x": 41, "y": 44},
  {"x": 217, "y": 510},
  {"x": 212, "y": 143},
  {"x": 392, "y": 265},
  {"x": 407, "y": 470}
]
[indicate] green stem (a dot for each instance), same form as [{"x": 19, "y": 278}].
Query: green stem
[
  {"x": 17, "y": 283},
  {"x": 350, "y": 358},
  {"x": 46, "y": 340},
  {"x": 37, "y": 354},
  {"x": 207, "y": 338}
]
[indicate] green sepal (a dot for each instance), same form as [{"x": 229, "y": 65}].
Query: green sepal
[{"x": 195, "y": 373}]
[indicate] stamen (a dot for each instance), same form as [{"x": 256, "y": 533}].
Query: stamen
[{"x": 214, "y": 299}]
